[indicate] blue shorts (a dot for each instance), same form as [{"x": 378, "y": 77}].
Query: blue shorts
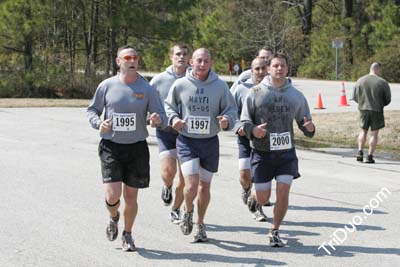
[
  {"x": 206, "y": 150},
  {"x": 267, "y": 165},
  {"x": 244, "y": 147},
  {"x": 166, "y": 140}
]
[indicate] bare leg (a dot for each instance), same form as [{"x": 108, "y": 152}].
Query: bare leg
[
  {"x": 362, "y": 138},
  {"x": 113, "y": 194},
  {"x": 168, "y": 170},
  {"x": 190, "y": 190},
  {"x": 245, "y": 178},
  {"x": 131, "y": 206},
  {"x": 281, "y": 205},
  {"x": 179, "y": 191},
  {"x": 203, "y": 200},
  {"x": 373, "y": 141}
]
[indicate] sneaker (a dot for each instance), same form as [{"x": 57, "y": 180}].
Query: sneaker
[
  {"x": 187, "y": 222},
  {"x": 275, "y": 240},
  {"x": 259, "y": 215},
  {"x": 360, "y": 156},
  {"x": 127, "y": 242},
  {"x": 112, "y": 228},
  {"x": 166, "y": 195},
  {"x": 251, "y": 204},
  {"x": 370, "y": 159},
  {"x": 200, "y": 233},
  {"x": 175, "y": 216},
  {"x": 245, "y": 194}
]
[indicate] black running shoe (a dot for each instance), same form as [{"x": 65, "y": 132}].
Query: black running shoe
[
  {"x": 370, "y": 159},
  {"x": 360, "y": 156},
  {"x": 166, "y": 195},
  {"x": 252, "y": 204}
]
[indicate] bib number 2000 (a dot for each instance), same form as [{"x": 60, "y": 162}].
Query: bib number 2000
[{"x": 280, "y": 141}]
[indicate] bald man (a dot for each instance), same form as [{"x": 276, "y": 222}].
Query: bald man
[
  {"x": 198, "y": 106},
  {"x": 372, "y": 93}
]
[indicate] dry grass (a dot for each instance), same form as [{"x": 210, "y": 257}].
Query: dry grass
[
  {"x": 42, "y": 103},
  {"x": 342, "y": 129},
  {"x": 333, "y": 129}
]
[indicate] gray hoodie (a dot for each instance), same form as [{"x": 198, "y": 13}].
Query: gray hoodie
[
  {"x": 198, "y": 103},
  {"x": 162, "y": 83},
  {"x": 278, "y": 107}
]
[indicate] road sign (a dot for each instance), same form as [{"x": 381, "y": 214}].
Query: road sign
[{"x": 337, "y": 43}]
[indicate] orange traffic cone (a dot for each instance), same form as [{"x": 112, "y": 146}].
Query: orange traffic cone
[
  {"x": 343, "y": 98},
  {"x": 319, "y": 102}
]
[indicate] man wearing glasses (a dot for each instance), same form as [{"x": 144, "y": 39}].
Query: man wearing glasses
[{"x": 125, "y": 98}]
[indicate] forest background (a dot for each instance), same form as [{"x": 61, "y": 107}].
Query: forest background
[{"x": 64, "y": 48}]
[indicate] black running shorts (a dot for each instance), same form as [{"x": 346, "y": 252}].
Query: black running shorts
[{"x": 127, "y": 163}]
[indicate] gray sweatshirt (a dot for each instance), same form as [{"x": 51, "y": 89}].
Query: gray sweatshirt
[
  {"x": 127, "y": 105},
  {"x": 198, "y": 103},
  {"x": 239, "y": 94},
  {"x": 244, "y": 76},
  {"x": 278, "y": 107},
  {"x": 162, "y": 83}
]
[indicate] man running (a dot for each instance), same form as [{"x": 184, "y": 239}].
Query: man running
[
  {"x": 198, "y": 106},
  {"x": 167, "y": 137},
  {"x": 258, "y": 72},
  {"x": 125, "y": 100},
  {"x": 267, "y": 118}
]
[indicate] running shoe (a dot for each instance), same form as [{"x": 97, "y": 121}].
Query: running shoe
[
  {"x": 166, "y": 195},
  {"x": 275, "y": 240},
  {"x": 370, "y": 159},
  {"x": 127, "y": 242},
  {"x": 259, "y": 215},
  {"x": 200, "y": 233},
  {"x": 175, "y": 216},
  {"x": 360, "y": 156},
  {"x": 112, "y": 228},
  {"x": 251, "y": 204},
  {"x": 187, "y": 222},
  {"x": 245, "y": 194}
]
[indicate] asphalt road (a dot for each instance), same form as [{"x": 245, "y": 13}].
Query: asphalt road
[{"x": 52, "y": 206}]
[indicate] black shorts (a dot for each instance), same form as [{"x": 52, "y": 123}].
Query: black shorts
[
  {"x": 371, "y": 119},
  {"x": 267, "y": 165},
  {"x": 166, "y": 140},
  {"x": 244, "y": 147},
  {"x": 127, "y": 163}
]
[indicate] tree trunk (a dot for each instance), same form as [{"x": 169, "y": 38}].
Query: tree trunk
[{"x": 347, "y": 13}]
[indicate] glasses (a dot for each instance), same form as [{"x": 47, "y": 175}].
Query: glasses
[{"x": 128, "y": 58}]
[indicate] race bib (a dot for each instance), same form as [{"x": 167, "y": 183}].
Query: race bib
[
  {"x": 280, "y": 141},
  {"x": 124, "y": 122},
  {"x": 199, "y": 125}
]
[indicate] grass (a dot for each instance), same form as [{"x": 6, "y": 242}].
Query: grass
[{"x": 338, "y": 130}]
